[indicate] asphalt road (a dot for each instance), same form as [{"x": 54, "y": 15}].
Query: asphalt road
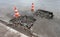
[
  {"x": 43, "y": 27},
  {"x": 6, "y": 31}
]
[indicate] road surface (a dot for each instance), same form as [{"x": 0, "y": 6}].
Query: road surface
[{"x": 48, "y": 28}]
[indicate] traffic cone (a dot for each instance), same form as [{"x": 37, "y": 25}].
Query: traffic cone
[
  {"x": 32, "y": 9},
  {"x": 16, "y": 14}
]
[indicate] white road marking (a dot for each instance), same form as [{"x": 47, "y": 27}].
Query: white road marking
[{"x": 12, "y": 30}]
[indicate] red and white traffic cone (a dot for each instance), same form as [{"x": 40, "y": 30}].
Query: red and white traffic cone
[
  {"x": 32, "y": 9},
  {"x": 16, "y": 14}
]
